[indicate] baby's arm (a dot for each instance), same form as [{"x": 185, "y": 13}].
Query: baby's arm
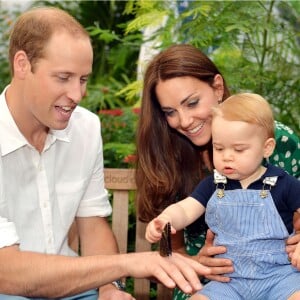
[{"x": 179, "y": 215}]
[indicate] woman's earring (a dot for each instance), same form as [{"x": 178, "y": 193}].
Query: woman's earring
[{"x": 220, "y": 101}]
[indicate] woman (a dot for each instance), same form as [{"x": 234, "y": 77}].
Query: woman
[{"x": 174, "y": 152}]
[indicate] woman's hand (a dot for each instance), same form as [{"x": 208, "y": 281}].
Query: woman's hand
[
  {"x": 295, "y": 259},
  {"x": 292, "y": 242},
  {"x": 218, "y": 266}
]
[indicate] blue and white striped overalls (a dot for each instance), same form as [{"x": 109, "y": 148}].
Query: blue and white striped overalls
[{"x": 254, "y": 234}]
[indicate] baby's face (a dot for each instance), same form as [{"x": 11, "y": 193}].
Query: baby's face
[{"x": 238, "y": 148}]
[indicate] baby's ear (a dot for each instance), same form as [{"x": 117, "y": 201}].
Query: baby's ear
[{"x": 269, "y": 147}]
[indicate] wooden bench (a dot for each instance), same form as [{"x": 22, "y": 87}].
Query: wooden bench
[{"x": 120, "y": 182}]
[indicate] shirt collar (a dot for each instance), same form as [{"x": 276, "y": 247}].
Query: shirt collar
[
  {"x": 273, "y": 171},
  {"x": 11, "y": 138}
]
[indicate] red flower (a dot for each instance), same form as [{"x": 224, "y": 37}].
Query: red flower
[
  {"x": 130, "y": 158},
  {"x": 112, "y": 112},
  {"x": 136, "y": 110}
]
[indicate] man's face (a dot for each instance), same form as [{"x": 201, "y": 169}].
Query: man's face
[{"x": 58, "y": 81}]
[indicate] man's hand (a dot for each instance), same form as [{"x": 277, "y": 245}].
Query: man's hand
[
  {"x": 218, "y": 266},
  {"x": 170, "y": 271}
]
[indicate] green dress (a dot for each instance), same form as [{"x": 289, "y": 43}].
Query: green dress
[{"x": 286, "y": 156}]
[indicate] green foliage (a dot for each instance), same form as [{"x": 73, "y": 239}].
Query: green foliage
[
  {"x": 107, "y": 95},
  {"x": 115, "y": 153},
  {"x": 7, "y": 18},
  {"x": 118, "y": 133},
  {"x": 255, "y": 44},
  {"x": 130, "y": 91},
  {"x": 155, "y": 18}
]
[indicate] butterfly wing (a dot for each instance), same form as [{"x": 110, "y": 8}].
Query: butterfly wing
[{"x": 165, "y": 246}]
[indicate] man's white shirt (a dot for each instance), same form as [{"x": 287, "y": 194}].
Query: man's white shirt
[{"x": 41, "y": 193}]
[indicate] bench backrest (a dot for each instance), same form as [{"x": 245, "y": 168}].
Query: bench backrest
[{"x": 120, "y": 182}]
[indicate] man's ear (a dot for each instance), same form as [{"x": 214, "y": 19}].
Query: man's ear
[
  {"x": 269, "y": 147},
  {"x": 21, "y": 64}
]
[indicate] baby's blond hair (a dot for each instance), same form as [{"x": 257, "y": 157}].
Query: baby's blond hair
[{"x": 247, "y": 107}]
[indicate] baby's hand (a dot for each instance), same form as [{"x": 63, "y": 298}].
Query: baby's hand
[{"x": 154, "y": 229}]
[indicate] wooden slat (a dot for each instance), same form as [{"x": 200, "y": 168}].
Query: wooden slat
[
  {"x": 141, "y": 244},
  {"x": 120, "y": 182},
  {"x": 163, "y": 293},
  {"x": 141, "y": 286},
  {"x": 120, "y": 218}
]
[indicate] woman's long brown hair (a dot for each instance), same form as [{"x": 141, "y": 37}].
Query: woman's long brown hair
[{"x": 169, "y": 166}]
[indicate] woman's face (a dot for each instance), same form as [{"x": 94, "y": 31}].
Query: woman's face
[{"x": 186, "y": 103}]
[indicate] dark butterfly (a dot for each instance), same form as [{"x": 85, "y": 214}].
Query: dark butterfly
[{"x": 165, "y": 246}]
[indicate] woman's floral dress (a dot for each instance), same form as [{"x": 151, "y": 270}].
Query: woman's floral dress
[{"x": 286, "y": 156}]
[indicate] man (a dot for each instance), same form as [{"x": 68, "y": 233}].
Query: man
[{"x": 52, "y": 167}]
